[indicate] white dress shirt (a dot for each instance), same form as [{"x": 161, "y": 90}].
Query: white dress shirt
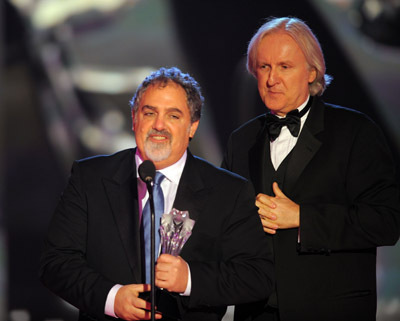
[
  {"x": 169, "y": 186},
  {"x": 285, "y": 142}
]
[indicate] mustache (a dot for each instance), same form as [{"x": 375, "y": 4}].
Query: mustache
[{"x": 159, "y": 132}]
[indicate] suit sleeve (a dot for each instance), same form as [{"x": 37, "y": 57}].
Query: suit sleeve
[
  {"x": 370, "y": 216},
  {"x": 243, "y": 272},
  {"x": 63, "y": 268}
]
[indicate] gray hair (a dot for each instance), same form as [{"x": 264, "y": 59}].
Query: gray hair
[
  {"x": 162, "y": 77},
  {"x": 306, "y": 40}
]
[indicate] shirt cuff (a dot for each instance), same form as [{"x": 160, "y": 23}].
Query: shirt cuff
[
  {"x": 109, "y": 308},
  {"x": 189, "y": 284}
]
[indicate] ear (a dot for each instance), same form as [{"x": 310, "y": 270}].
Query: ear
[
  {"x": 312, "y": 75},
  {"x": 193, "y": 128}
]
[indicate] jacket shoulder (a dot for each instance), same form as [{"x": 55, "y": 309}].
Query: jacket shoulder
[
  {"x": 346, "y": 114},
  {"x": 107, "y": 163},
  {"x": 251, "y": 127}
]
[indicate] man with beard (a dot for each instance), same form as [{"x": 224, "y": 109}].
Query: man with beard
[{"x": 94, "y": 255}]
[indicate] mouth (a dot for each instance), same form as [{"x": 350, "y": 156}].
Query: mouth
[
  {"x": 273, "y": 95},
  {"x": 158, "y": 137},
  {"x": 273, "y": 92}
]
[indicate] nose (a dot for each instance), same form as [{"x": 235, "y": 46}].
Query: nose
[
  {"x": 273, "y": 77},
  {"x": 159, "y": 123}
]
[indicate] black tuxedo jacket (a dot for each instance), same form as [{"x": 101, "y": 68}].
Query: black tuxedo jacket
[
  {"x": 93, "y": 241},
  {"x": 342, "y": 175}
]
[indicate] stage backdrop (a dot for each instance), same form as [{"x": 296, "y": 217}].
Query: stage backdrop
[{"x": 69, "y": 68}]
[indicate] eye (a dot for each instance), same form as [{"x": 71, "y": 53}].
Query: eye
[
  {"x": 174, "y": 116},
  {"x": 148, "y": 111}
]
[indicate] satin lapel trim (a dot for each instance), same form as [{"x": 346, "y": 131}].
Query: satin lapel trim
[
  {"x": 306, "y": 147},
  {"x": 258, "y": 159},
  {"x": 191, "y": 194},
  {"x": 190, "y": 187},
  {"x": 122, "y": 196},
  {"x": 304, "y": 151}
]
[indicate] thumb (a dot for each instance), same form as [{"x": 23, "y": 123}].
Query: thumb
[
  {"x": 165, "y": 258},
  {"x": 140, "y": 287},
  {"x": 277, "y": 191}
]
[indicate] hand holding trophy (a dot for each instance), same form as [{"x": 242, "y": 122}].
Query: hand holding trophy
[{"x": 175, "y": 229}]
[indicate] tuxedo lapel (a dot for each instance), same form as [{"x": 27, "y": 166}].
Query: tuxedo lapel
[
  {"x": 307, "y": 145},
  {"x": 122, "y": 195}
]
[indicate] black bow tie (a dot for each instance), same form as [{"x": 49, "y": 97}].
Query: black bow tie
[{"x": 291, "y": 121}]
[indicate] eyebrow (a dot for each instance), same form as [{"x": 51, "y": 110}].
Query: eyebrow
[
  {"x": 169, "y": 109},
  {"x": 281, "y": 62}
]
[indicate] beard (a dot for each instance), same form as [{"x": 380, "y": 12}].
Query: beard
[{"x": 158, "y": 152}]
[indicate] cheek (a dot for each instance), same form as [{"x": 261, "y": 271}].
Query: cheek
[
  {"x": 261, "y": 87},
  {"x": 303, "y": 85},
  {"x": 180, "y": 137},
  {"x": 141, "y": 132},
  {"x": 294, "y": 84},
  {"x": 261, "y": 80}
]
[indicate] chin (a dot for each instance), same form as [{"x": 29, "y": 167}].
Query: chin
[
  {"x": 157, "y": 154},
  {"x": 275, "y": 109},
  {"x": 275, "y": 106}
]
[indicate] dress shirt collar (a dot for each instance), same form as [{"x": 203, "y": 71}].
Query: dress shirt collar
[
  {"x": 300, "y": 108},
  {"x": 173, "y": 172}
]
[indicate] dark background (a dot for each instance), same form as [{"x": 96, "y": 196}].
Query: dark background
[{"x": 67, "y": 75}]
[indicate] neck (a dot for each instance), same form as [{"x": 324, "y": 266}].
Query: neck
[{"x": 304, "y": 106}]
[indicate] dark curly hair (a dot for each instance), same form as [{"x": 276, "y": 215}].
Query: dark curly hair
[{"x": 162, "y": 77}]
